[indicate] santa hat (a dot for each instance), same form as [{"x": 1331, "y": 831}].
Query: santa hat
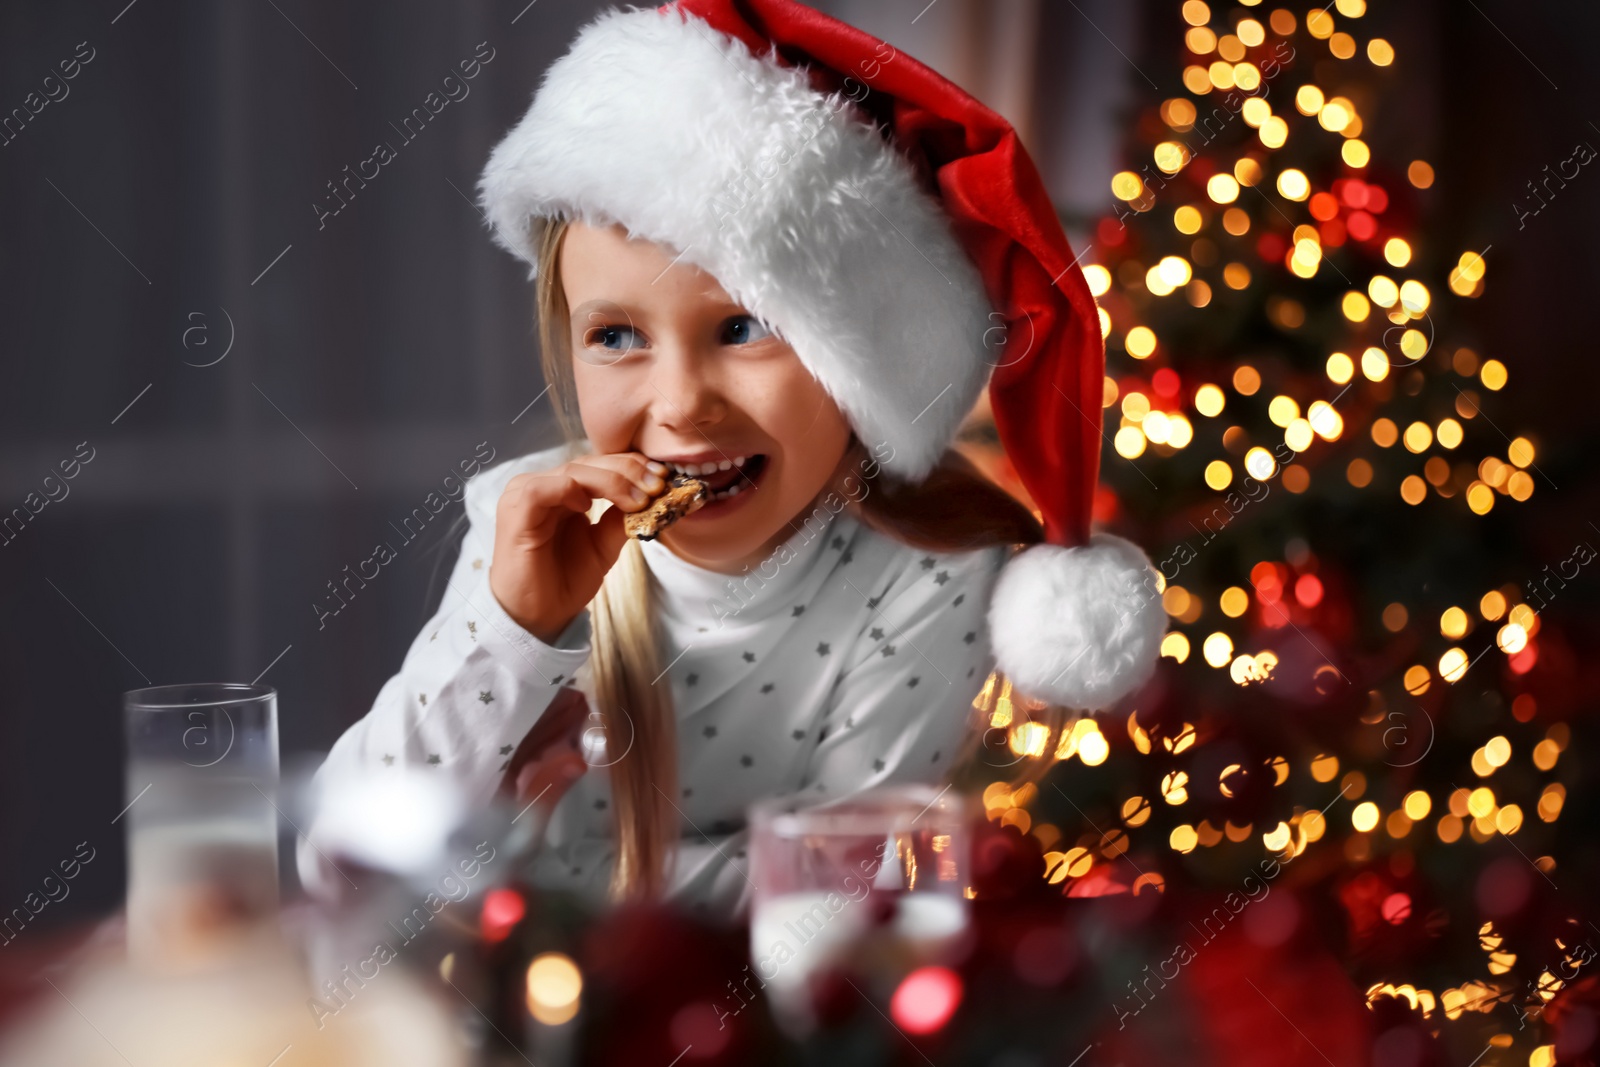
[{"x": 895, "y": 233}]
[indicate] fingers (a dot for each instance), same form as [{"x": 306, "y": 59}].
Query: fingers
[
  {"x": 644, "y": 472},
  {"x": 547, "y": 780},
  {"x": 627, "y": 480},
  {"x": 610, "y": 535}
]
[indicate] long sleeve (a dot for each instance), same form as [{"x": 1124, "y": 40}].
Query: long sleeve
[{"x": 470, "y": 687}]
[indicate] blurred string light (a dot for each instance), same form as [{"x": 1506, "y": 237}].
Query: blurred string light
[{"x": 1250, "y": 229}]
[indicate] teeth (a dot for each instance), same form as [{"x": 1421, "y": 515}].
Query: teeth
[{"x": 699, "y": 469}]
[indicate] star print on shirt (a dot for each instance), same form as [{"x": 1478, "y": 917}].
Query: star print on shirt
[
  {"x": 749, "y": 657},
  {"x": 433, "y": 757},
  {"x": 927, "y": 563},
  {"x": 887, "y": 650},
  {"x": 957, "y": 601},
  {"x": 767, "y": 688},
  {"x": 941, "y": 577},
  {"x": 911, "y": 683},
  {"x": 388, "y": 761},
  {"x": 798, "y": 735},
  {"x": 422, "y": 698},
  {"x": 710, "y": 731},
  {"x": 877, "y": 764},
  {"x": 970, "y": 636},
  {"x": 837, "y": 542},
  {"x": 877, "y": 633},
  {"x": 799, "y": 609},
  {"x": 846, "y": 558},
  {"x": 505, "y": 750},
  {"x": 472, "y": 628},
  {"x": 748, "y": 761},
  {"x": 692, "y": 679},
  {"x": 822, "y": 648},
  {"x": 486, "y": 696}
]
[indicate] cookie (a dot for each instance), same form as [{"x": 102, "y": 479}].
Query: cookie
[{"x": 682, "y": 495}]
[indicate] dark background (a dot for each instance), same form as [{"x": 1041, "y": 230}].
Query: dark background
[{"x": 172, "y": 191}]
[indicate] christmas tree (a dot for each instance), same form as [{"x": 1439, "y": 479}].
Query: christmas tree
[{"x": 1359, "y": 734}]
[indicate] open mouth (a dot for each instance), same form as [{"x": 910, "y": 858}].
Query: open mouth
[{"x": 725, "y": 478}]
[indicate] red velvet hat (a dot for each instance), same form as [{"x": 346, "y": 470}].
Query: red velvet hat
[{"x": 893, "y": 230}]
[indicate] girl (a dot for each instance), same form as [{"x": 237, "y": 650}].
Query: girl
[{"x": 823, "y": 624}]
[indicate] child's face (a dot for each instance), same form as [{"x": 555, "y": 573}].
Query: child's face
[{"x": 666, "y": 364}]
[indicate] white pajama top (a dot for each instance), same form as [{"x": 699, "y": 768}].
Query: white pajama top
[{"x": 845, "y": 660}]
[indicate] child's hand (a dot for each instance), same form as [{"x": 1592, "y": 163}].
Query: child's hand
[
  {"x": 549, "y": 761},
  {"x": 549, "y": 560}
]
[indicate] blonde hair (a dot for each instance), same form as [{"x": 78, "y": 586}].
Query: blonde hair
[{"x": 954, "y": 508}]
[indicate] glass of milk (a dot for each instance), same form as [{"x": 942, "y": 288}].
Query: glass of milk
[
  {"x": 875, "y": 884},
  {"x": 202, "y": 821}
]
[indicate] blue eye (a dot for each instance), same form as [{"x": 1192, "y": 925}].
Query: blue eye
[
  {"x": 743, "y": 329},
  {"x": 607, "y": 336}
]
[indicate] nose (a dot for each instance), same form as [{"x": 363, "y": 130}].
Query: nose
[{"x": 686, "y": 396}]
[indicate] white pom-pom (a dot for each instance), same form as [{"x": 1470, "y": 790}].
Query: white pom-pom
[{"x": 1079, "y": 627}]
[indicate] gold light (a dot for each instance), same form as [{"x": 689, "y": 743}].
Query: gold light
[
  {"x": 1383, "y": 291},
  {"x": 1174, "y": 270},
  {"x": 1099, "y": 279},
  {"x": 554, "y": 986},
  {"x": 1223, "y": 188},
  {"x": 1171, "y": 156},
  {"x": 1340, "y": 368},
  {"x": 1274, "y": 132},
  {"x": 1260, "y": 464},
  {"x": 1355, "y": 306},
  {"x": 1294, "y": 185}
]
